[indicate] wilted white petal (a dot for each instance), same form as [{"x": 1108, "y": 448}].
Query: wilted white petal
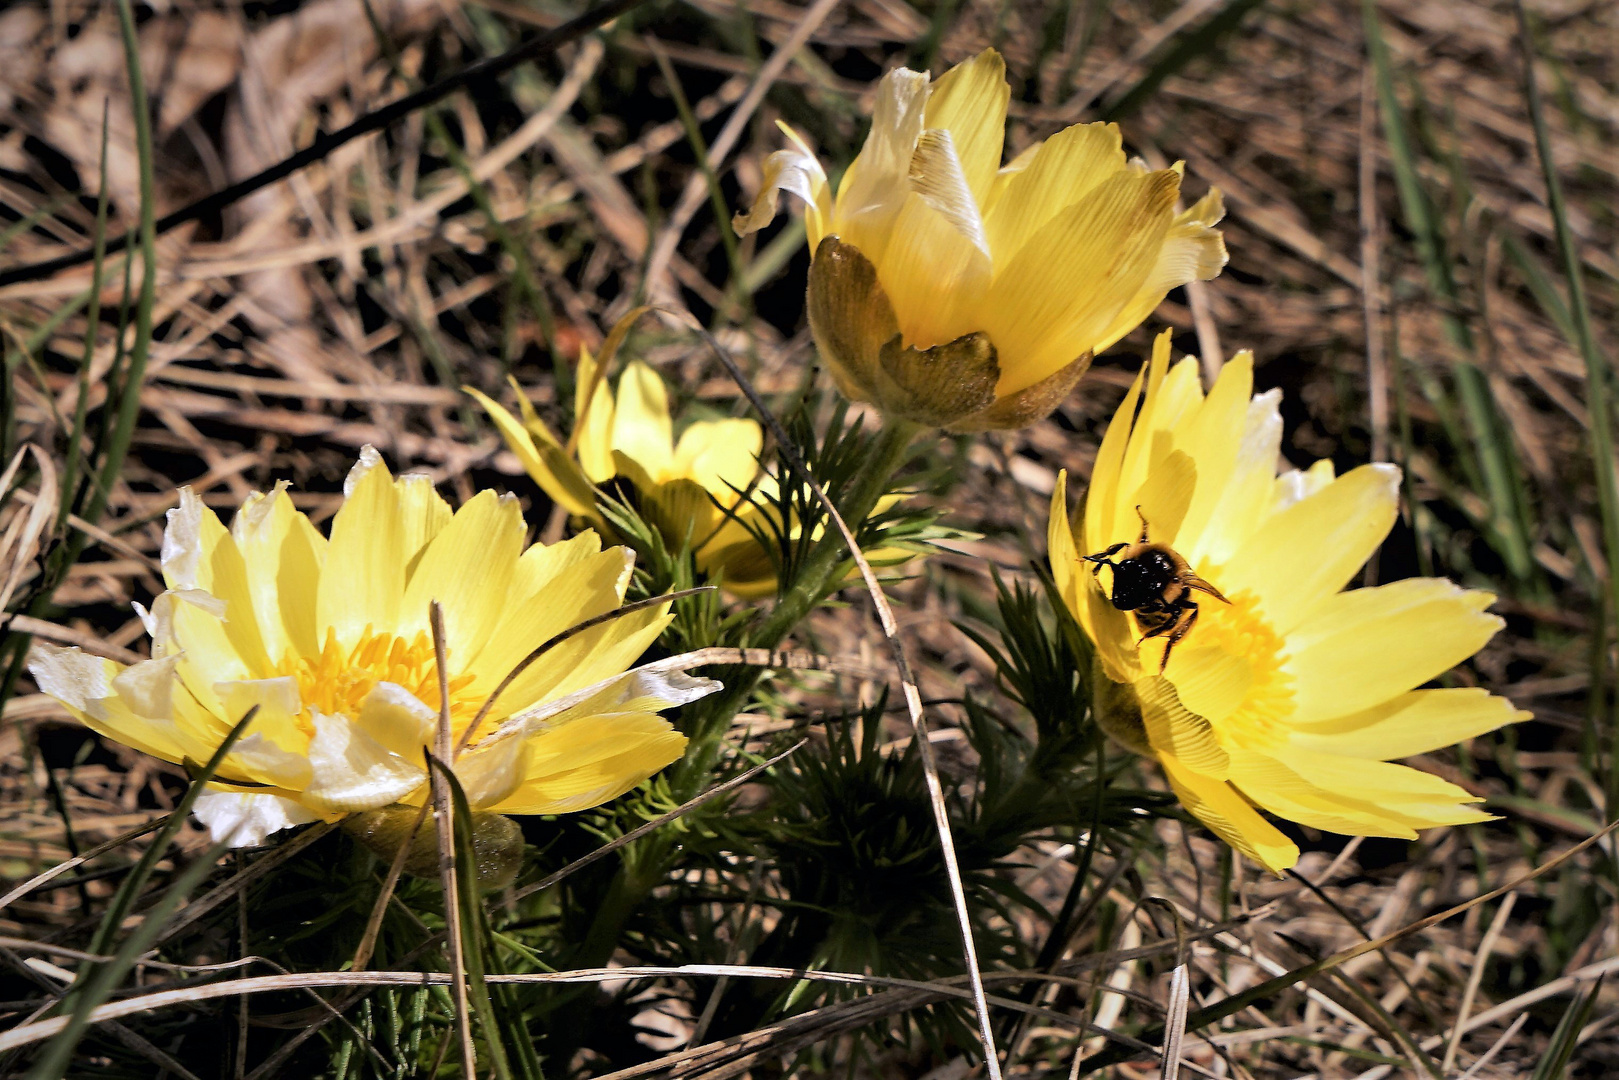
[
  {"x": 785, "y": 170},
  {"x": 369, "y": 459},
  {"x": 398, "y": 720},
  {"x": 243, "y": 820},
  {"x": 148, "y": 687},
  {"x": 182, "y": 541},
  {"x": 352, "y": 771},
  {"x": 491, "y": 774},
  {"x": 267, "y": 763}
]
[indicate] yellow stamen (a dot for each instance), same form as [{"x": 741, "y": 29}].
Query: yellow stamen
[{"x": 339, "y": 679}]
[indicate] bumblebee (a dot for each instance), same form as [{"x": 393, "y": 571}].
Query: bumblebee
[{"x": 1153, "y": 581}]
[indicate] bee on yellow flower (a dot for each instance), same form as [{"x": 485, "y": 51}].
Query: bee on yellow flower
[
  {"x": 329, "y": 639},
  {"x": 954, "y": 291},
  {"x": 1227, "y": 646}
]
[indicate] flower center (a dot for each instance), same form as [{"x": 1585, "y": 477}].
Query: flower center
[
  {"x": 338, "y": 680},
  {"x": 1229, "y": 669}
]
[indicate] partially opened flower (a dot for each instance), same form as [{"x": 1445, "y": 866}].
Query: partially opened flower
[
  {"x": 954, "y": 291},
  {"x": 1281, "y": 690},
  {"x": 706, "y": 491},
  {"x": 330, "y": 639}
]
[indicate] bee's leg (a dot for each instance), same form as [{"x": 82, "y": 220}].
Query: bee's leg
[
  {"x": 1162, "y": 621},
  {"x": 1101, "y": 558},
  {"x": 1179, "y": 627}
]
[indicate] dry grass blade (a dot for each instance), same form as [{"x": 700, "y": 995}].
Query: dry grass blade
[
  {"x": 443, "y": 808},
  {"x": 25, "y": 1034},
  {"x": 913, "y": 696},
  {"x": 324, "y": 145},
  {"x": 1237, "y": 1002},
  {"x": 21, "y": 540},
  {"x": 663, "y": 248},
  {"x": 1474, "y": 977},
  {"x": 66, "y": 635},
  {"x": 78, "y": 860}
]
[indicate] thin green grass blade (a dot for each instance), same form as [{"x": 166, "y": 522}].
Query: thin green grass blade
[
  {"x": 97, "y": 980},
  {"x": 1597, "y": 372},
  {"x": 1195, "y": 41},
  {"x": 94, "y": 989},
  {"x": 1554, "y": 1062},
  {"x": 124, "y": 899},
  {"x": 1493, "y": 468},
  {"x": 75, "y": 446},
  {"x": 699, "y": 148},
  {"x": 478, "y": 952},
  {"x": 17, "y": 228}
]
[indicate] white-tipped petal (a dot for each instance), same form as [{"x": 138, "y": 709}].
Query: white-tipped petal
[{"x": 245, "y": 820}]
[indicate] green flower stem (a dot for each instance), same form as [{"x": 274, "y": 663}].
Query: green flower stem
[{"x": 820, "y": 574}]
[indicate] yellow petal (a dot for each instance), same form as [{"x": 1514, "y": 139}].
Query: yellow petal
[
  {"x": 468, "y": 569},
  {"x": 1164, "y": 498},
  {"x": 936, "y": 266},
  {"x": 260, "y": 529},
  {"x": 1119, "y": 518},
  {"x": 1063, "y": 556},
  {"x": 491, "y": 775},
  {"x": 84, "y": 684},
  {"x": 1414, "y": 723},
  {"x": 275, "y": 748},
  {"x": 1174, "y": 730},
  {"x": 970, "y": 102},
  {"x": 1285, "y": 793},
  {"x": 875, "y": 185},
  {"x": 1228, "y": 816},
  {"x": 398, "y": 720},
  {"x": 793, "y": 170},
  {"x": 1102, "y": 502},
  {"x": 642, "y": 429},
  {"x": 1210, "y": 680},
  {"x": 586, "y": 763},
  {"x": 1193, "y": 250},
  {"x": 1058, "y": 173},
  {"x": 422, "y": 514},
  {"x": 593, "y": 420},
  {"x": 1308, "y": 552},
  {"x": 582, "y": 590},
  {"x": 1244, "y": 506},
  {"x": 591, "y": 657},
  {"x": 1363, "y": 648},
  {"x": 1058, "y": 294},
  {"x": 364, "y": 576},
  {"x": 198, "y": 553},
  {"x": 1212, "y": 439},
  {"x": 298, "y": 571},
  {"x": 544, "y": 462},
  {"x": 1378, "y": 781},
  {"x": 1295, "y": 485},
  {"x": 720, "y": 455}
]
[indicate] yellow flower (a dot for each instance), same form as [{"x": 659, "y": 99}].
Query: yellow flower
[
  {"x": 707, "y": 490},
  {"x": 1292, "y": 695},
  {"x": 954, "y": 291},
  {"x": 331, "y": 640}
]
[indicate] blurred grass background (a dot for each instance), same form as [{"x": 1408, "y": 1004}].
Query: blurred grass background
[{"x": 1398, "y": 265}]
